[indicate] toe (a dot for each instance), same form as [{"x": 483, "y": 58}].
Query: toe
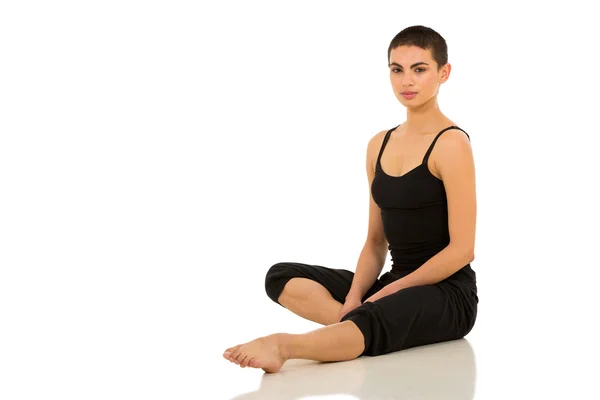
[
  {"x": 235, "y": 354},
  {"x": 239, "y": 358},
  {"x": 248, "y": 362},
  {"x": 227, "y": 354},
  {"x": 244, "y": 362}
]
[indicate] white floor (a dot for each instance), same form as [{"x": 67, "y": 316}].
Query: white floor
[
  {"x": 510, "y": 354},
  {"x": 140, "y": 339},
  {"x": 157, "y": 157},
  {"x": 445, "y": 370}
]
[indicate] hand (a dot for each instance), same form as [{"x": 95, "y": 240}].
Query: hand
[
  {"x": 350, "y": 304},
  {"x": 381, "y": 293}
]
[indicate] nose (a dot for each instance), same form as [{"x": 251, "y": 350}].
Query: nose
[{"x": 407, "y": 82}]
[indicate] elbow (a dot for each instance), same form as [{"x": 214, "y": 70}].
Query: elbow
[
  {"x": 470, "y": 255},
  {"x": 377, "y": 243},
  {"x": 380, "y": 247},
  {"x": 466, "y": 254}
]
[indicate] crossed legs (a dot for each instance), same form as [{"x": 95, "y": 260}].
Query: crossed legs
[
  {"x": 310, "y": 300},
  {"x": 413, "y": 316},
  {"x": 338, "y": 341}
]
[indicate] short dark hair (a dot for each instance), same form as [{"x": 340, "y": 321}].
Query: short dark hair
[{"x": 425, "y": 38}]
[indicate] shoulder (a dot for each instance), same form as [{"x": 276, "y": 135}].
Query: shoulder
[
  {"x": 373, "y": 146},
  {"x": 453, "y": 135},
  {"x": 452, "y": 140},
  {"x": 452, "y": 145},
  {"x": 377, "y": 139}
]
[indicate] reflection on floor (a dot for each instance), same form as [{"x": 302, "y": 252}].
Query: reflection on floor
[{"x": 438, "y": 371}]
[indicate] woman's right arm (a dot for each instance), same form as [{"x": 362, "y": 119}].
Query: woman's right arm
[{"x": 374, "y": 252}]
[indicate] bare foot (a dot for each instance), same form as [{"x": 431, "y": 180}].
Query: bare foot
[{"x": 264, "y": 352}]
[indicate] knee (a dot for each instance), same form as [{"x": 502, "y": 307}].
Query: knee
[
  {"x": 275, "y": 280},
  {"x": 372, "y": 323}
]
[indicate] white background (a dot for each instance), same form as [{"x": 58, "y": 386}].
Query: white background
[{"x": 156, "y": 158}]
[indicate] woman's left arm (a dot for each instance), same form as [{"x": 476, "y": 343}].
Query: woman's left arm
[{"x": 455, "y": 165}]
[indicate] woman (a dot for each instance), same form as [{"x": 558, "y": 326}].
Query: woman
[{"x": 422, "y": 208}]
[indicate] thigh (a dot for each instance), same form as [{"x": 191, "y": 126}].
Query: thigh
[
  {"x": 336, "y": 281},
  {"x": 429, "y": 314},
  {"x": 414, "y": 316}
]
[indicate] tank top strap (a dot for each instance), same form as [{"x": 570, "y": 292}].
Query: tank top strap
[
  {"x": 426, "y": 158},
  {"x": 385, "y": 140}
]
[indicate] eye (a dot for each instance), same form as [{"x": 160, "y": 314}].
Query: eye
[{"x": 418, "y": 70}]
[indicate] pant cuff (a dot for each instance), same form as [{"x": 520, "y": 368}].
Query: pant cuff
[
  {"x": 363, "y": 323},
  {"x": 275, "y": 288}
]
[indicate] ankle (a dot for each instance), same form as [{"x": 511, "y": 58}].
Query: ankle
[{"x": 284, "y": 344}]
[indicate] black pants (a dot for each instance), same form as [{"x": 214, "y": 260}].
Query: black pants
[{"x": 414, "y": 316}]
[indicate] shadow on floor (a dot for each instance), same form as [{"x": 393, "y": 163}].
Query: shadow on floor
[{"x": 438, "y": 371}]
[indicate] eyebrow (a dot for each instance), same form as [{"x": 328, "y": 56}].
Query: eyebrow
[{"x": 412, "y": 66}]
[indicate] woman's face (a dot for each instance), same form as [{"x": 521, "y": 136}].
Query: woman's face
[{"x": 413, "y": 69}]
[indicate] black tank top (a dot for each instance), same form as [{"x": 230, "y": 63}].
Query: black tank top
[{"x": 414, "y": 214}]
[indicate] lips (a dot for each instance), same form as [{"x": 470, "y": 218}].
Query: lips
[{"x": 407, "y": 93}]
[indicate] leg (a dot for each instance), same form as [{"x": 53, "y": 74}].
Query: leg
[
  {"x": 416, "y": 316},
  {"x": 311, "y": 291},
  {"x": 338, "y": 342},
  {"x": 310, "y": 300}
]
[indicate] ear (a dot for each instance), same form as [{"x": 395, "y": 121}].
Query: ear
[{"x": 445, "y": 72}]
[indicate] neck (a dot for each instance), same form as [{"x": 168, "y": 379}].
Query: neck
[{"x": 424, "y": 118}]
